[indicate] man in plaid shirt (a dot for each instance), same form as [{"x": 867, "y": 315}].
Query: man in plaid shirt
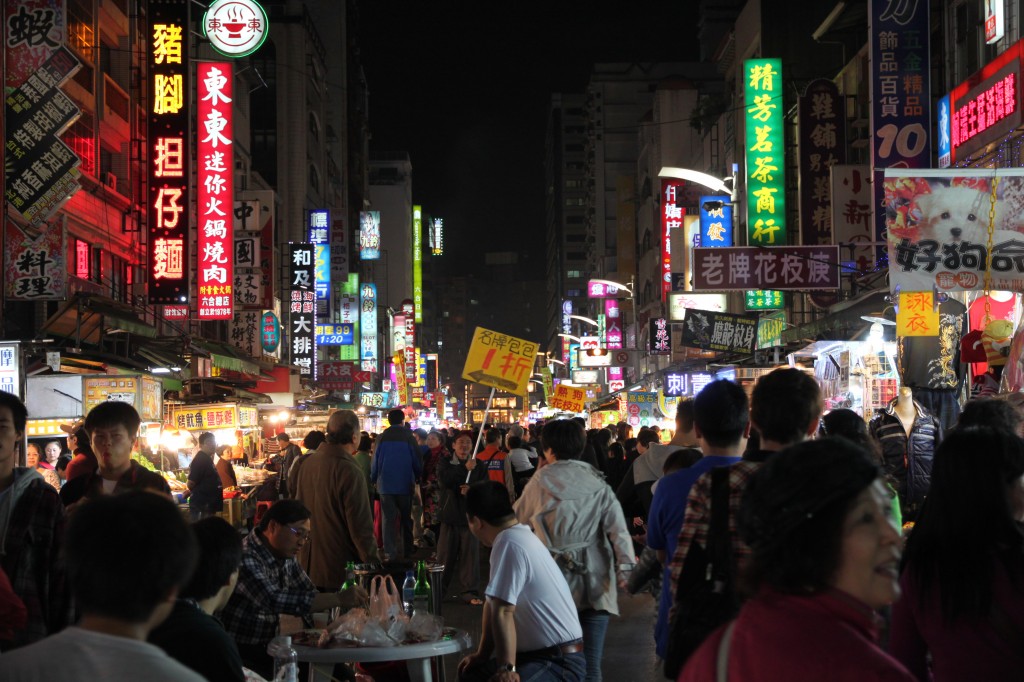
[
  {"x": 271, "y": 582},
  {"x": 785, "y": 409}
]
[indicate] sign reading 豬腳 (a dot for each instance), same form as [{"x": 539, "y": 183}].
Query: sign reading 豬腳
[
  {"x": 822, "y": 125},
  {"x": 900, "y": 92},
  {"x": 715, "y": 221},
  {"x": 302, "y": 308},
  {"x": 779, "y": 267},
  {"x": 369, "y": 235},
  {"x": 417, "y": 263},
  {"x": 671, "y": 218},
  {"x": 215, "y": 190},
  {"x": 765, "y": 152},
  {"x": 169, "y": 164}
]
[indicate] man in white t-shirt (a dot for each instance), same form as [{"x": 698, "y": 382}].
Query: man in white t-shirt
[
  {"x": 530, "y": 624},
  {"x": 127, "y": 557}
]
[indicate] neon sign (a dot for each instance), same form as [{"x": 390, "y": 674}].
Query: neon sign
[
  {"x": 235, "y": 28},
  {"x": 215, "y": 190},
  {"x": 417, "y": 262},
  {"x": 765, "y": 152},
  {"x": 167, "y": 121},
  {"x": 671, "y": 219}
]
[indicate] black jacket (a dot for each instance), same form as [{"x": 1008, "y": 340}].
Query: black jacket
[
  {"x": 450, "y": 477},
  {"x": 907, "y": 460},
  {"x": 198, "y": 640}
]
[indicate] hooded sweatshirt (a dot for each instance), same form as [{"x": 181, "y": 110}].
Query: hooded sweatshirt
[{"x": 575, "y": 514}]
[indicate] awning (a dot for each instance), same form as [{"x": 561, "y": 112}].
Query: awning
[
  {"x": 224, "y": 356},
  {"x": 88, "y": 318},
  {"x": 843, "y": 321}
]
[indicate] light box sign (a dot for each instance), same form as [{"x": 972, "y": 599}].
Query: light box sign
[
  {"x": 437, "y": 237},
  {"x": 409, "y": 350},
  {"x": 594, "y": 357},
  {"x": 683, "y": 384},
  {"x": 270, "y": 331},
  {"x": 778, "y": 267},
  {"x": 334, "y": 334},
  {"x": 348, "y": 308},
  {"x": 10, "y": 368},
  {"x": 215, "y": 189},
  {"x": 715, "y": 221},
  {"x": 167, "y": 121},
  {"x": 318, "y": 229},
  {"x": 765, "y": 152},
  {"x": 763, "y": 299},
  {"x": 671, "y": 219},
  {"x": 614, "y": 338},
  {"x": 368, "y": 326},
  {"x": 944, "y": 130},
  {"x": 35, "y": 265},
  {"x": 660, "y": 339},
  {"x": 994, "y": 30},
  {"x": 680, "y": 302},
  {"x": 822, "y": 144},
  {"x": 302, "y": 309},
  {"x": 585, "y": 376},
  {"x": 235, "y": 28},
  {"x": 851, "y": 216},
  {"x": 417, "y": 263},
  {"x": 369, "y": 235},
  {"x": 603, "y": 290}
]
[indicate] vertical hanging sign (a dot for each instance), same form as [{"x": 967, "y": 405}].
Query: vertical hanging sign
[
  {"x": 301, "y": 308},
  {"x": 318, "y": 229},
  {"x": 215, "y": 190},
  {"x": 671, "y": 218},
  {"x": 167, "y": 118},
  {"x": 822, "y": 136},
  {"x": 368, "y": 326},
  {"x": 765, "y": 152},
  {"x": 417, "y": 262}
]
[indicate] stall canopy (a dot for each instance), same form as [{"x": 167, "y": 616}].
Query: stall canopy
[
  {"x": 89, "y": 318},
  {"x": 843, "y": 322}
]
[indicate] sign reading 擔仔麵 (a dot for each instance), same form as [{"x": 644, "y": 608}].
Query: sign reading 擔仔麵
[
  {"x": 720, "y": 332},
  {"x": 500, "y": 361},
  {"x": 778, "y": 267},
  {"x": 568, "y": 398},
  {"x": 933, "y": 241}
]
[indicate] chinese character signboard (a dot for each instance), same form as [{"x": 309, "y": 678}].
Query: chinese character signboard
[
  {"x": 10, "y": 368},
  {"x": 500, "y": 361},
  {"x": 167, "y": 115},
  {"x": 409, "y": 350},
  {"x": 934, "y": 244},
  {"x": 348, "y": 313},
  {"x": 613, "y": 338},
  {"x": 720, "y": 332},
  {"x": 987, "y": 106},
  {"x": 671, "y": 218},
  {"x": 769, "y": 330},
  {"x": 215, "y": 189},
  {"x": 715, "y": 221},
  {"x": 35, "y": 28},
  {"x": 851, "y": 217},
  {"x": 302, "y": 308},
  {"x": 35, "y": 267},
  {"x": 944, "y": 131},
  {"x": 339, "y": 250},
  {"x": 680, "y": 302},
  {"x": 417, "y": 262},
  {"x": 368, "y": 326},
  {"x": 369, "y": 235},
  {"x": 640, "y": 408},
  {"x": 270, "y": 331},
  {"x": 917, "y": 314},
  {"x": 568, "y": 399},
  {"x": 765, "y": 152},
  {"x": 597, "y": 289},
  {"x": 437, "y": 237},
  {"x": 900, "y": 92},
  {"x": 781, "y": 267},
  {"x": 677, "y": 384},
  {"x": 235, "y": 28},
  {"x": 660, "y": 340},
  {"x": 200, "y": 417},
  {"x": 994, "y": 10},
  {"x": 335, "y": 334},
  {"x": 822, "y": 125},
  {"x": 244, "y": 332},
  {"x": 760, "y": 299},
  {"x": 96, "y": 390}
]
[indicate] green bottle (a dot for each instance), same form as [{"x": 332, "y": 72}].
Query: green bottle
[
  {"x": 421, "y": 593},
  {"x": 350, "y": 576}
]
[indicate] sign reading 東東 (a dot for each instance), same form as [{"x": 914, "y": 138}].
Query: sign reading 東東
[
  {"x": 500, "y": 361},
  {"x": 568, "y": 399},
  {"x": 917, "y": 314},
  {"x": 671, "y": 218},
  {"x": 780, "y": 267},
  {"x": 302, "y": 309},
  {"x": 933, "y": 244},
  {"x": 215, "y": 189},
  {"x": 715, "y": 221},
  {"x": 169, "y": 164},
  {"x": 765, "y": 152},
  {"x": 235, "y": 28},
  {"x": 369, "y": 235},
  {"x": 822, "y": 126},
  {"x": 720, "y": 332}
]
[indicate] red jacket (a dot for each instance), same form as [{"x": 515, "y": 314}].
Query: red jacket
[{"x": 827, "y": 636}]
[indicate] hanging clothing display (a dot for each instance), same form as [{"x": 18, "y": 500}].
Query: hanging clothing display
[
  {"x": 998, "y": 310},
  {"x": 933, "y": 362},
  {"x": 907, "y": 457}
]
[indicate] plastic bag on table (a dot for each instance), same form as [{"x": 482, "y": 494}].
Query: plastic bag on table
[
  {"x": 425, "y": 627},
  {"x": 385, "y": 599},
  {"x": 374, "y": 634},
  {"x": 348, "y": 627}
]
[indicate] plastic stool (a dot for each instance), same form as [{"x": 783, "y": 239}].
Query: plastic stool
[{"x": 261, "y": 509}]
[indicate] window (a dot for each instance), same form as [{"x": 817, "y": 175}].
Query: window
[
  {"x": 314, "y": 178},
  {"x": 573, "y": 274},
  {"x": 575, "y": 255},
  {"x": 574, "y": 293}
]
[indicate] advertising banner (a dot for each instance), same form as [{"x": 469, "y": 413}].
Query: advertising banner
[
  {"x": 437, "y": 239},
  {"x": 917, "y": 314},
  {"x": 568, "y": 399},
  {"x": 368, "y": 326},
  {"x": 348, "y": 312},
  {"x": 938, "y": 233},
  {"x": 340, "y": 376},
  {"x": 35, "y": 28},
  {"x": 769, "y": 330},
  {"x": 216, "y": 190},
  {"x": 720, "y": 332},
  {"x": 500, "y": 361},
  {"x": 761, "y": 299},
  {"x": 681, "y": 384},
  {"x": 765, "y": 152},
  {"x": 822, "y": 126},
  {"x": 851, "y": 217},
  {"x": 660, "y": 340},
  {"x": 409, "y": 350},
  {"x": 671, "y": 219},
  {"x": 614, "y": 339},
  {"x": 640, "y": 408},
  {"x": 369, "y": 235},
  {"x": 715, "y": 221},
  {"x": 680, "y": 302},
  {"x": 35, "y": 269},
  {"x": 96, "y": 390},
  {"x": 339, "y": 250},
  {"x": 203, "y": 417},
  {"x": 778, "y": 267},
  {"x": 900, "y": 92},
  {"x": 335, "y": 334},
  {"x": 302, "y": 309},
  {"x": 417, "y": 263},
  {"x": 169, "y": 159},
  {"x": 318, "y": 234}
]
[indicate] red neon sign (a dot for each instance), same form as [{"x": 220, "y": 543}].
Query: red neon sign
[
  {"x": 671, "y": 218},
  {"x": 216, "y": 165},
  {"x": 987, "y": 106}
]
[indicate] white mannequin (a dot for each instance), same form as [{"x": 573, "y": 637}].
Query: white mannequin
[{"x": 905, "y": 410}]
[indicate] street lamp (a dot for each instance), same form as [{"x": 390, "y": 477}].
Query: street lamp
[
  {"x": 631, "y": 290},
  {"x": 571, "y": 337},
  {"x": 709, "y": 181},
  {"x": 584, "y": 319}
]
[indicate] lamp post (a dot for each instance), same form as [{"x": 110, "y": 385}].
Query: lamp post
[{"x": 630, "y": 289}]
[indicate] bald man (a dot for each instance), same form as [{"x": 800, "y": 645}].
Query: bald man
[{"x": 333, "y": 488}]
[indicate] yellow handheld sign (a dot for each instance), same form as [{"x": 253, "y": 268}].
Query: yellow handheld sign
[
  {"x": 500, "y": 361},
  {"x": 568, "y": 398}
]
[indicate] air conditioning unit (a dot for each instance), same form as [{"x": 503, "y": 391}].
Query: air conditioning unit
[{"x": 110, "y": 180}]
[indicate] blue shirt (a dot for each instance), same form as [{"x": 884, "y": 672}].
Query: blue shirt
[{"x": 664, "y": 523}]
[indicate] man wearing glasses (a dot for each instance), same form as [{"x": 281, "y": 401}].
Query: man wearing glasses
[{"x": 271, "y": 582}]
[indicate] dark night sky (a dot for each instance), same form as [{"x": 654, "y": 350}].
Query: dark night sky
[{"x": 464, "y": 88}]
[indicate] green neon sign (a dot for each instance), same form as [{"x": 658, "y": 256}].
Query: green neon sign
[{"x": 765, "y": 152}]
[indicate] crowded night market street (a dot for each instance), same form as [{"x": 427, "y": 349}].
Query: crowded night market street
[{"x": 366, "y": 341}]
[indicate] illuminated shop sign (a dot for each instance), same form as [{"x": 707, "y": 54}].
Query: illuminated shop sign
[
  {"x": 715, "y": 221},
  {"x": 302, "y": 308},
  {"x": 765, "y": 152},
  {"x": 369, "y": 235},
  {"x": 235, "y": 28},
  {"x": 368, "y": 326},
  {"x": 437, "y": 237},
  {"x": 417, "y": 262},
  {"x": 671, "y": 218},
  {"x": 216, "y": 168},
  {"x": 167, "y": 120},
  {"x": 988, "y": 111},
  {"x": 410, "y": 340}
]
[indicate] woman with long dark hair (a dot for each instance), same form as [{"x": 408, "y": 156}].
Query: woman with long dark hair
[{"x": 963, "y": 571}]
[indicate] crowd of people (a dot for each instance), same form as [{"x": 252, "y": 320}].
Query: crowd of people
[{"x": 767, "y": 532}]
